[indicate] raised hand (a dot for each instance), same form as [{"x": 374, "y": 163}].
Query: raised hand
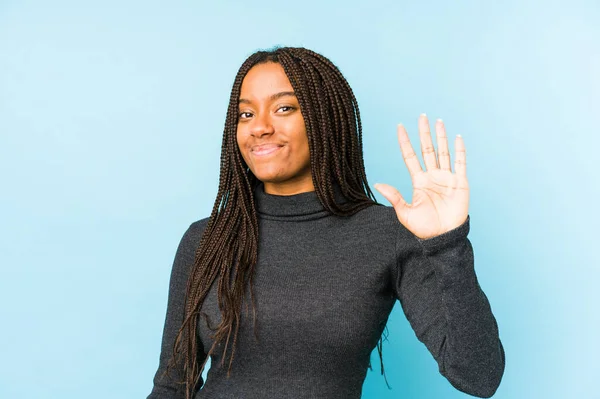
[{"x": 440, "y": 197}]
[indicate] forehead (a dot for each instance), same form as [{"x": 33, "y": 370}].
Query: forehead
[{"x": 263, "y": 80}]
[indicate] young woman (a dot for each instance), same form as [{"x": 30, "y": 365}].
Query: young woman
[{"x": 289, "y": 283}]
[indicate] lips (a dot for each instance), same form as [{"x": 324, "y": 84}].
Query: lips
[{"x": 265, "y": 149}]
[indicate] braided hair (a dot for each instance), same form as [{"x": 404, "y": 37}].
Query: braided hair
[{"x": 229, "y": 245}]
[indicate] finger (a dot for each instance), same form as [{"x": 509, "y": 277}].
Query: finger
[
  {"x": 442, "y": 143},
  {"x": 460, "y": 164},
  {"x": 427, "y": 149},
  {"x": 410, "y": 158},
  {"x": 395, "y": 198}
]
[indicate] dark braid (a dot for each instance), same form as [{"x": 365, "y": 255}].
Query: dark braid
[{"x": 228, "y": 248}]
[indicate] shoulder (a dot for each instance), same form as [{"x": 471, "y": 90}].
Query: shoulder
[
  {"x": 382, "y": 219},
  {"x": 378, "y": 215},
  {"x": 191, "y": 238},
  {"x": 375, "y": 224},
  {"x": 186, "y": 251},
  {"x": 198, "y": 226}
]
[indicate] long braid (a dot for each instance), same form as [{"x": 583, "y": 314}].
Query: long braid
[{"x": 228, "y": 248}]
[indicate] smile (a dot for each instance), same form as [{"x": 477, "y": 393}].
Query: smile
[{"x": 265, "y": 151}]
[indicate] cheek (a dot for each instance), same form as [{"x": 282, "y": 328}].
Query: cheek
[
  {"x": 240, "y": 141},
  {"x": 303, "y": 143},
  {"x": 239, "y": 136},
  {"x": 296, "y": 131}
]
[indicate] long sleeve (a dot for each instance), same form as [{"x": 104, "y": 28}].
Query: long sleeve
[
  {"x": 447, "y": 309},
  {"x": 167, "y": 387}
]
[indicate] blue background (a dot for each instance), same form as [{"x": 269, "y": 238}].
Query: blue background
[{"x": 111, "y": 119}]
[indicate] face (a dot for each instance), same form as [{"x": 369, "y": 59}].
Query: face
[{"x": 271, "y": 134}]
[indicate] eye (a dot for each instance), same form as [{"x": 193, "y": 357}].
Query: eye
[
  {"x": 285, "y": 108},
  {"x": 244, "y": 115}
]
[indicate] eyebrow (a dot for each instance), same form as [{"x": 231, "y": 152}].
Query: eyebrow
[{"x": 273, "y": 97}]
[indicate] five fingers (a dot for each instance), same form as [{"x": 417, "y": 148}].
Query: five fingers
[{"x": 432, "y": 160}]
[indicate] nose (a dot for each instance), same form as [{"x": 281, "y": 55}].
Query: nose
[{"x": 261, "y": 124}]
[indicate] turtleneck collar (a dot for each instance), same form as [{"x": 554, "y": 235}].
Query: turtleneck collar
[{"x": 297, "y": 207}]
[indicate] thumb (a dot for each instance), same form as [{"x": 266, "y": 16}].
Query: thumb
[{"x": 392, "y": 195}]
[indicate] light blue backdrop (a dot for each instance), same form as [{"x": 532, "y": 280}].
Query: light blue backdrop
[{"x": 111, "y": 118}]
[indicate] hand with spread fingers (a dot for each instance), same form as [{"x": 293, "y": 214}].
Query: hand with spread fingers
[{"x": 440, "y": 197}]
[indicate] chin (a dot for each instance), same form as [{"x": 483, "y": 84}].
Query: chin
[{"x": 270, "y": 177}]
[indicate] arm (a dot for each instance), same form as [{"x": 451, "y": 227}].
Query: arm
[
  {"x": 443, "y": 302},
  {"x": 167, "y": 387}
]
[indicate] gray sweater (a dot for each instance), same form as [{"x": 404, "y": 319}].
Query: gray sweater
[{"x": 324, "y": 288}]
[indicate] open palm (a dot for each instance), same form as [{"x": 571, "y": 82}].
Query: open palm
[{"x": 440, "y": 197}]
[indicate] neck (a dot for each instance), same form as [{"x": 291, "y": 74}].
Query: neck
[
  {"x": 289, "y": 188},
  {"x": 295, "y": 207}
]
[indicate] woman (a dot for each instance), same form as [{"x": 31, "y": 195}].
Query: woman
[{"x": 297, "y": 236}]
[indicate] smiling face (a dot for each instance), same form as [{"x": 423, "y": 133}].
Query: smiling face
[{"x": 271, "y": 134}]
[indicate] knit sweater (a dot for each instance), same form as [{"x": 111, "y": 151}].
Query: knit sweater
[{"x": 324, "y": 287}]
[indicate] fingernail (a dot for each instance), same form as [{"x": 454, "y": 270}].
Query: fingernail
[
  {"x": 440, "y": 120},
  {"x": 458, "y": 135},
  {"x": 423, "y": 114}
]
